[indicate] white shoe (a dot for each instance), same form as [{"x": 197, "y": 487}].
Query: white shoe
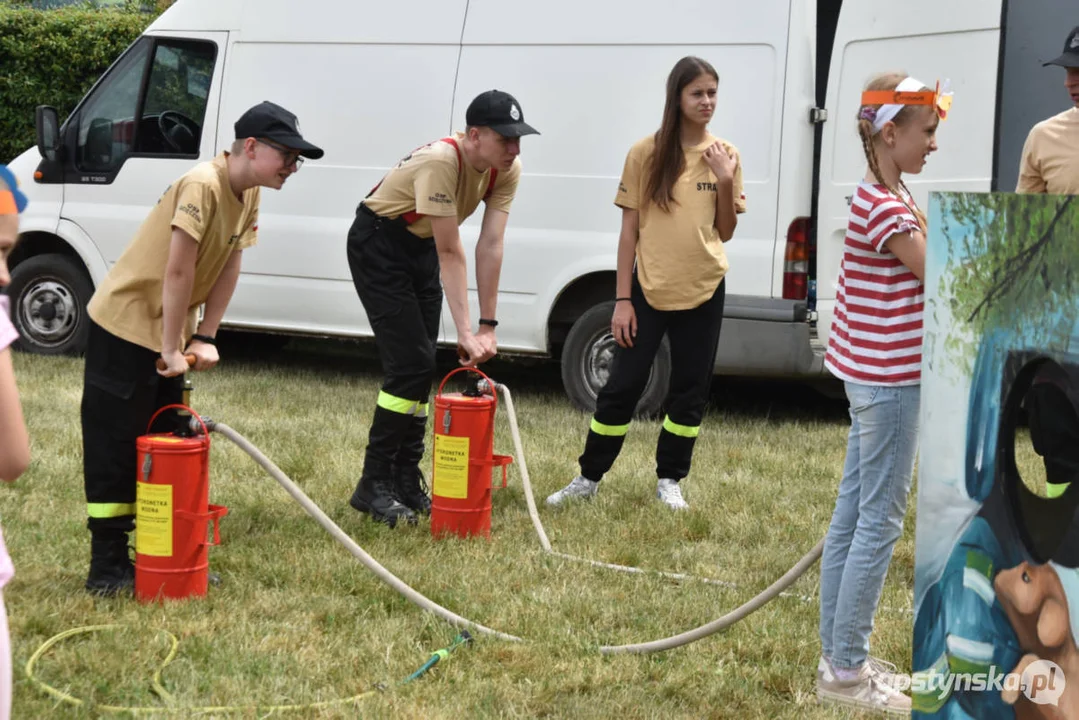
[
  {"x": 883, "y": 670},
  {"x": 865, "y": 692},
  {"x": 886, "y": 672},
  {"x": 671, "y": 494},
  {"x": 579, "y": 487}
]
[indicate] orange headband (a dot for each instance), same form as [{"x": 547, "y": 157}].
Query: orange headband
[{"x": 941, "y": 101}]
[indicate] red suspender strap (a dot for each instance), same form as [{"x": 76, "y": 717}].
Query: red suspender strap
[
  {"x": 494, "y": 171},
  {"x": 453, "y": 141},
  {"x": 412, "y": 216},
  {"x": 379, "y": 183}
]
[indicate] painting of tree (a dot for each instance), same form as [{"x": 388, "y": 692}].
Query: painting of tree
[{"x": 1011, "y": 263}]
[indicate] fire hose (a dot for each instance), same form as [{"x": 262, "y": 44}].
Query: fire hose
[
  {"x": 668, "y": 643},
  {"x": 208, "y": 425}
]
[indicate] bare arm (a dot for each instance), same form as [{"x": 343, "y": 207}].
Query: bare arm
[
  {"x": 14, "y": 441},
  {"x": 454, "y": 269},
  {"x": 176, "y": 295},
  {"x": 910, "y": 249},
  {"x": 489, "y": 260},
  {"x": 627, "y": 251},
  {"x": 726, "y": 215},
  {"x": 220, "y": 294},
  {"x": 724, "y": 165}
]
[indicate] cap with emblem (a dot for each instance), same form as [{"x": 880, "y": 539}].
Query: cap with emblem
[
  {"x": 499, "y": 111},
  {"x": 273, "y": 122},
  {"x": 1070, "y": 57}
]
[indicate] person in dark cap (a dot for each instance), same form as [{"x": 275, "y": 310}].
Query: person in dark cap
[
  {"x": 1050, "y": 161},
  {"x": 404, "y": 238},
  {"x": 186, "y": 254}
]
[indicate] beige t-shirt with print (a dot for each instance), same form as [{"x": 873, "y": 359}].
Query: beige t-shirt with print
[
  {"x": 129, "y": 302},
  {"x": 680, "y": 257},
  {"x": 1050, "y": 161},
  {"x": 428, "y": 182}
]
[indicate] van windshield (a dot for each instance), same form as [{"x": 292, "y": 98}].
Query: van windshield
[{"x": 172, "y": 78}]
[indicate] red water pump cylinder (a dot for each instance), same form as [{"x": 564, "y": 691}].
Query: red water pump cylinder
[
  {"x": 463, "y": 460},
  {"x": 172, "y": 514}
]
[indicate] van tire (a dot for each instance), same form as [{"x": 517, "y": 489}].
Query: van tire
[
  {"x": 48, "y": 295},
  {"x": 586, "y": 359}
]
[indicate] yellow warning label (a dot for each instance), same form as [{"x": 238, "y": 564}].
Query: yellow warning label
[
  {"x": 153, "y": 519},
  {"x": 451, "y": 467}
]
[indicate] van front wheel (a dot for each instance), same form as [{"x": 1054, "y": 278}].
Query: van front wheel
[
  {"x": 586, "y": 363},
  {"x": 48, "y": 305}
]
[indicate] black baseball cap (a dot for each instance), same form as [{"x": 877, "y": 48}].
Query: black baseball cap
[
  {"x": 273, "y": 122},
  {"x": 1070, "y": 56},
  {"x": 499, "y": 111}
]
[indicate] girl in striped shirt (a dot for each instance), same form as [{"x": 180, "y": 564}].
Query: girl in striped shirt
[{"x": 875, "y": 348}]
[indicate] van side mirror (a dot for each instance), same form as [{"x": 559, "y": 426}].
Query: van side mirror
[{"x": 48, "y": 131}]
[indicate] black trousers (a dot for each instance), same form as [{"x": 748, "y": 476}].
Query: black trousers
[
  {"x": 1054, "y": 433},
  {"x": 693, "y": 335},
  {"x": 397, "y": 278},
  {"x": 121, "y": 392}
]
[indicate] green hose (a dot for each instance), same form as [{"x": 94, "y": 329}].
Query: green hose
[
  {"x": 462, "y": 639},
  {"x": 171, "y": 705}
]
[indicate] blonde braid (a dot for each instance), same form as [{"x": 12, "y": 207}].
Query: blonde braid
[
  {"x": 922, "y": 220},
  {"x": 865, "y": 130}
]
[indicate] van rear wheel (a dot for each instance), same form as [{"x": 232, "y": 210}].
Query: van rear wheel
[
  {"x": 586, "y": 364},
  {"x": 48, "y": 305}
]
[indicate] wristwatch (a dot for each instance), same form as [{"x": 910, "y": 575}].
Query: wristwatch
[{"x": 488, "y": 321}]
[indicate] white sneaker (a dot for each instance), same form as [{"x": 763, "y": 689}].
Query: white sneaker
[
  {"x": 884, "y": 671},
  {"x": 671, "y": 494},
  {"x": 579, "y": 487},
  {"x": 866, "y": 692}
]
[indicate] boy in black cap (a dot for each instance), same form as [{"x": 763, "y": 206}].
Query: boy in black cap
[
  {"x": 186, "y": 253},
  {"x": 1050, "y": 161},
  {"x": 404, "y": 237}
]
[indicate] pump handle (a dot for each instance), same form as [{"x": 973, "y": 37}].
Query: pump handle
[{"x": 190, "y": 357}]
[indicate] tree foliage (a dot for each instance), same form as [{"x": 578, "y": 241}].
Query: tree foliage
[
  {"x": 52, "y": 57},
  {"x": 1012, "y": 263}
]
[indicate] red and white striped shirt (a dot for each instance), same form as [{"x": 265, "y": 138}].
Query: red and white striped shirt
[{"x": 876, "y": 335}]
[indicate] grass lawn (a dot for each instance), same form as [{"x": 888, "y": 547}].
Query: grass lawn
[{"x": 298, "y": 620}]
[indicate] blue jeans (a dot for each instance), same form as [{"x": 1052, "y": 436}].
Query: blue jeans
[{"x": 868, "y": 517}]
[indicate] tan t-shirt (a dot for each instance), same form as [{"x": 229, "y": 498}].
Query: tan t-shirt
[
  {"x": 1050, "y": 161},
  {"x": 428, "y": 182},
  {"x": 129, "y": 302},
  {"x": 680, "y": 258}
]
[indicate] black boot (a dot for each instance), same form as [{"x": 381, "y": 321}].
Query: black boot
[
  {"x": 374, "y": 495},
  {"x": 111, "y": 569},
  {"x": 410, "y": 486}
]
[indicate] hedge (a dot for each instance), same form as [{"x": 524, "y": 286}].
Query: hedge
[{"x": 52, "y": 57}]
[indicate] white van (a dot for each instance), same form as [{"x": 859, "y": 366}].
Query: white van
[{"x": 369, "y": 81}]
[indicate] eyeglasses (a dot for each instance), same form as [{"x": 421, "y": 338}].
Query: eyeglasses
[{"x": 288, "y": 155}]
